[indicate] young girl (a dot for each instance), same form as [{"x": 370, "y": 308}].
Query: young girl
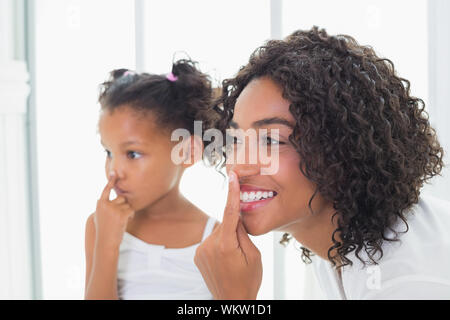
[{"x": 141, "y": 244}]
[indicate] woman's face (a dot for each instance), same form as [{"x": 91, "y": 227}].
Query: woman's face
[
  {"x": 261, "y": 106},
  {"x": 140, "y": 154}
]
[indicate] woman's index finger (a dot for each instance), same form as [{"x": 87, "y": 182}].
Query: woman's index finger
[{"x": 232, "y": 208}]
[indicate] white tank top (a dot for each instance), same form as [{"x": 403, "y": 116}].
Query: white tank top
[{"x": 149, "y": 271}]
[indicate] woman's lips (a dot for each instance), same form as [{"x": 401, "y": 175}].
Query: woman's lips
[
  {"x": 249, "y": 206},
  {"x": 261, "y": 197}
]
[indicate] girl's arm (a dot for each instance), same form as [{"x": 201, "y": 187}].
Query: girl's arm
[
  {"x": 104, "y": 233},
  {"x": 101, "y": 267}
]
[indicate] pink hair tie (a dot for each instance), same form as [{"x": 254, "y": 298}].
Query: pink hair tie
[{"x": 171, "y": 77}]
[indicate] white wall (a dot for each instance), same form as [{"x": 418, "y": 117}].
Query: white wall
[
  {"x": 219, "y": 34},
  {"x": 438, "y": 86}
]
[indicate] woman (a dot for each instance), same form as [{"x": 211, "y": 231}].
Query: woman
[{"x": 354, "y": 151}]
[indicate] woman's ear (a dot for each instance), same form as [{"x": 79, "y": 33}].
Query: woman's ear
[{"x": 193, "y": 150}]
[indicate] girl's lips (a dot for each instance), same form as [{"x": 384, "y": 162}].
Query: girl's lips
[{"x": 119, "y": 191}]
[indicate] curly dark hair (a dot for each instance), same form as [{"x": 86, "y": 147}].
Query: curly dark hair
[{"x": 363, "y": 140}]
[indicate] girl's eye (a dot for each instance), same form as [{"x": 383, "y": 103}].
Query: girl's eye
[
  {"x": 231, "y": 140},
  {"x": 235, "y": 140},
  {"x": 133, "y": 155},
  {"x": 108, "y": 154}
]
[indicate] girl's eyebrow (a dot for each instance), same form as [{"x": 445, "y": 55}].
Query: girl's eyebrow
[
  {"x": 266, "y": 121},
  {"x": 125, "y": 144}
]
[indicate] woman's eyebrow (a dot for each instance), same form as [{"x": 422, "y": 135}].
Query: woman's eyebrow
[{"x": 266, "y": 121}]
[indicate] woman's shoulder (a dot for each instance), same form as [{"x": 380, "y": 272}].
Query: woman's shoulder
[
  {"x": 421, "y": 254},
  {"x": 428, "y": 223},
  {"x": 435, "y": 206}
]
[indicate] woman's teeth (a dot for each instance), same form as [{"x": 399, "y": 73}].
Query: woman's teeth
[{"x": 255, "y": 196}]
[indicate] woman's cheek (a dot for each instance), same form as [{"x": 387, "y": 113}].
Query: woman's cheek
[
  {"x": 289, "y": 160},
  {"x": 289, "y": 175}
]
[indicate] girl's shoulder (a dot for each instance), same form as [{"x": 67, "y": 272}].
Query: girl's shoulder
[{"x": 204, "y": 218}]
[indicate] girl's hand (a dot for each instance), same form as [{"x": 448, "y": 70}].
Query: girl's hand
[
  {"x": 228, "y": 260},
  {"x": 111, "y": 217}
]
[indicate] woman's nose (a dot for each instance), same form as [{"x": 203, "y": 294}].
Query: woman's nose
[
  {"x": 245, "y": 160},
  {"x": 244, "y": 170}
]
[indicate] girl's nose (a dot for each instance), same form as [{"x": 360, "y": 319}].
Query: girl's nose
[{"x": 117, "y": 167}]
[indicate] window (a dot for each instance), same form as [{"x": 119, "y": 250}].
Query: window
[{"x": 77, "y": 44}]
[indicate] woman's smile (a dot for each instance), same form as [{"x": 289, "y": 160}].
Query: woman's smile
[{"x": 254, "y": 197}]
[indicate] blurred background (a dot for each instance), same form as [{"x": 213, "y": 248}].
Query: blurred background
[{"x": 55, "y": 53}]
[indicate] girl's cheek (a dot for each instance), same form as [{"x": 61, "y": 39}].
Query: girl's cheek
[{"x": 107, "y": 165}]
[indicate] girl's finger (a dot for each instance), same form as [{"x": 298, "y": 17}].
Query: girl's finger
[
  {"x": 125, "y": 207},
  {"x": 119, "y": 200},
  {"x": 232, "y": 210},
  {"x": 111, "y": 182}
]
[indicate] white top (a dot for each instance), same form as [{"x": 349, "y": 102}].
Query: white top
[
  {"x": 149, "y": 271},
  {"x": 418, "y": 267}
]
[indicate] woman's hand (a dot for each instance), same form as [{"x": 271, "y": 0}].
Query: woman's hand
[
  {"x": 228, "y": 260},
  {"x": 111, "y": 217}
]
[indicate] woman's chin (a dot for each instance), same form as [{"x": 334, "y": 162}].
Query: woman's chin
[{"x": 253, "y": 227}]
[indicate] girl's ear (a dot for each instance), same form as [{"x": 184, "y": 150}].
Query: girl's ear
[{"x": 193, "y": 150}]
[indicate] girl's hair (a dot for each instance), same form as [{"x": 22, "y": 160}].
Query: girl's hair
[
  {"x": 363, "y": 140},
  {"x": 176, "y": 100}
]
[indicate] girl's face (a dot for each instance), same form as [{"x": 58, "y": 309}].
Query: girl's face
[
  {"x": 140, "y": 154},
  {"x": 261, "y": 106}
]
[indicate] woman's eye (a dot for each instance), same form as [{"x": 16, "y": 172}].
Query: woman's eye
[
  {"x": 108, "y": 154},
  {"x": 270, "y": 141},
  {"x": 133, "y": 155}
]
